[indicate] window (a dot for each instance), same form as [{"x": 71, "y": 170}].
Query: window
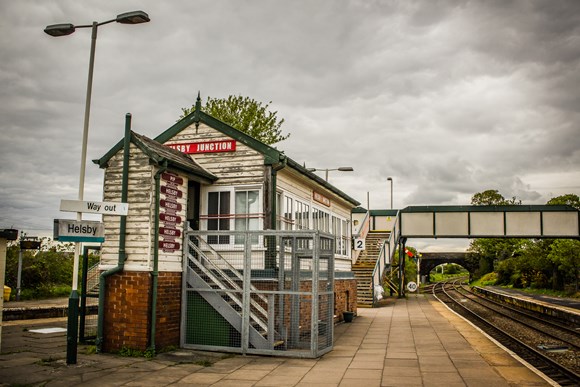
[
  {"x": 288, "y": 218},
  {"x": 340, "y": 233},
  {"x": 278, "y": 211},
  {"x": 218, "y": 216},
  {"x": 247, "y": 212}
]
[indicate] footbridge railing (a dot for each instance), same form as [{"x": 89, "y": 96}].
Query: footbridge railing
[{"x": 386, "y": 255}]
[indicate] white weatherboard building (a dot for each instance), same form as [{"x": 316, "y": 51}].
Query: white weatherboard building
[{"x": 204, "y": 175}]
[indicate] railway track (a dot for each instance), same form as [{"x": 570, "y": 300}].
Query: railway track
[{"x": 550, "y": 347}]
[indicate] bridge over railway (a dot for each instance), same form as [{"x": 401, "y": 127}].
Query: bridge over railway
[
  {"x": 515, "y": 221},
  {"x": 430, "y": 261}
]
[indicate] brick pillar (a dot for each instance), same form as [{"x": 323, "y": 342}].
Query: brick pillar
[{"x": 128, "y": 311}]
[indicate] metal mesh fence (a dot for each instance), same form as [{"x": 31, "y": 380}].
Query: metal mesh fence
[{"x": 261, "y": 292}]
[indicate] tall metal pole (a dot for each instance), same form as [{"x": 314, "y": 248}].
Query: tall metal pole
[
  {"x": 19, "y": 275},
  {"x": 391, "y": 180},
  {"x": 73, "y": 303}
]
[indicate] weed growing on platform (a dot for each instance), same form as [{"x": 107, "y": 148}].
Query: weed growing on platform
[{"x": 130, "y": 352}]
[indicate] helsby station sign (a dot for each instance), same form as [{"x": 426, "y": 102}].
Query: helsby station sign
[{"x": 66, "y": 230}]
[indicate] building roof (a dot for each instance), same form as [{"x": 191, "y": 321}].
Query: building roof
[
  {"x": 160, "y": 153},
  {"x": 272, "y": 156}
]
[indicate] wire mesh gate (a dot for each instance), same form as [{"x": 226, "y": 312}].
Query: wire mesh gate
[{"x": 259, "y": 292}]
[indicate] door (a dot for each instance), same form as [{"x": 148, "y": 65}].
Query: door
[{"x": 193, "y": 203}]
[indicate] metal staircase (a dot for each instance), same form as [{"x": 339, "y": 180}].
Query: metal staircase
[
  {"x": 93, "y": 281},
  {"x": 365, "y": 265},
  {"x": 222, "y": 286}
]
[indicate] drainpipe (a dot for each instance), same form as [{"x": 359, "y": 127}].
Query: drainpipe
[
  {"x": 274, "y": 172},
  {"x": 122, "y": 235},
  {"x": 270, "y": 259},
  {"x": 155, "y": 273}
]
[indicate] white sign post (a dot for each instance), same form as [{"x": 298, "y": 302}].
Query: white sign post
[{"x": 105, "y": 208}]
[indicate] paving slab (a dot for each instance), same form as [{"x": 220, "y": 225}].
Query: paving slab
[{"x": 405, "y": 342}]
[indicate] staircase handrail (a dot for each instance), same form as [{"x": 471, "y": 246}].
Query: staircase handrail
[
  {"x": 217, "y": 281},
  {"x": 386, "y": 255},
  {"x": 364, "y": 230},
  {"x": 229, "y": 266}
]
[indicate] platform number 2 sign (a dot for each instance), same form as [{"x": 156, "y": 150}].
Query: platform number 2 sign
[{"x": 359, "y": 244}]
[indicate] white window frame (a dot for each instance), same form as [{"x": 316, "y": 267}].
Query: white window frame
[{"x": 232, "y": 190}]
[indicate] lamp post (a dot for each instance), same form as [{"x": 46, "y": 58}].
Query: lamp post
[
  {"x": 342, "y": 169},
  {"x": 56, "y": 30},
  {"x": 391, "y": 180}
]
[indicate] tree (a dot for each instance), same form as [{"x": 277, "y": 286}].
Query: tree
[
  {"x": 568, "y": 200},
  {"x": 565, "y": 255},
  {"x": 245, "y": 114},
  {"x": 488, "y": 251},
  {"x": 492, "y": 197}
]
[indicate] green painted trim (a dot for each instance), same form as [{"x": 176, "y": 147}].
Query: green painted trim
[
  {"x": 80, "y": 239},
  {"x": 520, "y": 208},
  {"x": 359, "y": 210},
  {"x": 384, "y": 212},
  {"x": 271, "y": 154}
]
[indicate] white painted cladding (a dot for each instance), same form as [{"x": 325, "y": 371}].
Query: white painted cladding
[
  {"x": 244, "y": 166},
  {"x": 302, "y": 188},
  {"x": 140, "y": 225}
]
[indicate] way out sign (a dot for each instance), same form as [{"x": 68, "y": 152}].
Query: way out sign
[
  {"x": 66, "y": 230},
  {"x": 105, "y": 208}
]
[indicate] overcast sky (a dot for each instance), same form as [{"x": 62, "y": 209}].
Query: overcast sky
[{"x": 448, "y": 98}]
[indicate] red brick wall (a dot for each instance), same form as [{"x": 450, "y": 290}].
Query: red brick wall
[
  {"x": 126, "y": 323},
  {"x": 341, "y": 287},
  {"x": 168, "y": 310},
  {"x": 128, "y": 311}
]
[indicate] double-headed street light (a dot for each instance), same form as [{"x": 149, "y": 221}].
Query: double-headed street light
[
  {"x": 135, "y": 17},
  {"x": 342, "y": 169}
]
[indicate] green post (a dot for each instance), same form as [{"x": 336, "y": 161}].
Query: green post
[{"x": 72, "y": 328}]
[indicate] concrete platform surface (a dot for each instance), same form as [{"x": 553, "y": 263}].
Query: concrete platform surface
[{"x": 407, "y": 342}]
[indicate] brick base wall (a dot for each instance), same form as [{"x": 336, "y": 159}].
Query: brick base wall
[
  {"x": 128, "y": 309},
  {"x": 344, "y": 297},
  {"x": 127, "y": 320}
]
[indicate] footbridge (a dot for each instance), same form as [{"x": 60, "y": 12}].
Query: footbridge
[{"x": 515, "y": 221}]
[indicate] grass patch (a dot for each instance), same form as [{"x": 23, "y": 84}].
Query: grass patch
[
  {"x": 130, "y": 352},
  {"x": 204, "y": 363},
  {"x": 487, "y": 280}
]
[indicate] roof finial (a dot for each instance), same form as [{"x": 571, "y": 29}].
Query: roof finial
[
  {"x": 197, "y": 111},
  {"x": 198, "y": 102}
]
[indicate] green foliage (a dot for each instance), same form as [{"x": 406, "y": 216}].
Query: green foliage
[
  {"x": 568, "y": 200},
  {"x": 130, "y": 352},
  {"x": 245, "y": 114},
  {"x": 527, "y": 263},
  {"x": 485, "y": 253},
  {"x": 452, "y": 268},
  {"x": 492, "y": 197},
  {"x": 488, "y": 279},
  {"x": 46, "y": 272}
]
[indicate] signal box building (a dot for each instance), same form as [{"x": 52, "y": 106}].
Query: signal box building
[{"x": 205, "y": 175}]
